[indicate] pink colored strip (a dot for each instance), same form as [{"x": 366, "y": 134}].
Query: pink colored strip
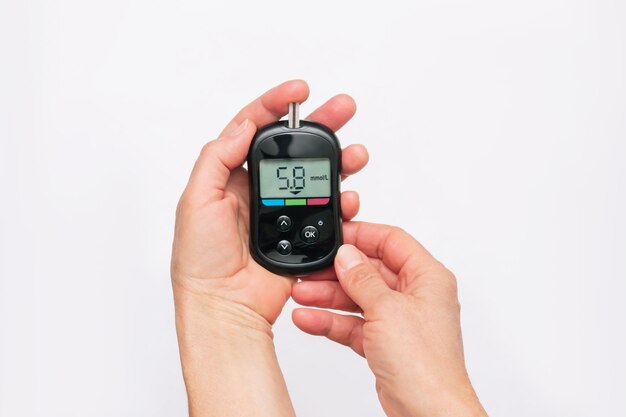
[{"x": 317, "y": 201}]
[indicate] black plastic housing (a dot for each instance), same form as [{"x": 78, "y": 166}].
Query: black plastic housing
[{"x": 277, "y": 141}]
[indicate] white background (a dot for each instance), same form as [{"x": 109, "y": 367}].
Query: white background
[{"x": 497, "y": 133}]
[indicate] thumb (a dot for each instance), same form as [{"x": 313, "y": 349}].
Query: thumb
[
  {"x": 359, "y": 278},
  {"x": 212, "y": 169}
]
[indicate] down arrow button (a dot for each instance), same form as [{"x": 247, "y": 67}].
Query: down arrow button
[{"x": 284, "y": 247}]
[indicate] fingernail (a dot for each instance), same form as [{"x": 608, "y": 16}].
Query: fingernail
[
  {"x": 236, "y": 131},
  {"x": 348, "y": 257}
]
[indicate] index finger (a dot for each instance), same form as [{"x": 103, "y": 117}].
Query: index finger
[
  {"x": 392, "y": 245},
  {"x": 271, "y": 105}
]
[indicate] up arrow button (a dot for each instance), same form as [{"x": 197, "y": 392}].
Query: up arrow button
[{"x": 283, "y": 223}]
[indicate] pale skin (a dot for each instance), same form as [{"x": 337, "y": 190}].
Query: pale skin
[{"x": 226, "y": 303}]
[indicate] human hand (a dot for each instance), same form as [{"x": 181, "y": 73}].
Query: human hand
[
  {"x": 210, "y": 258},
  {"x": 225, "y": 302},
  {"x": 410, "y": 332}
]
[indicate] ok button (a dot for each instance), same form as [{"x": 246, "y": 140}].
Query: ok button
[{"x": 309, "y": 234}]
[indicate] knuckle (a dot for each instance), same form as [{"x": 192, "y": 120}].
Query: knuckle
[
  {"x": 451, "y": 282},
  {"x": 456, "y": 305},
  {"x": 362, "y": 275},
  {"x": 208, "y": 149},
  {"x": 450, "y": 289},
  {"x": 445, "y": 278},
  {"x": 398, "y": 230},
  {"x": 183, "y": 204},
  {"x": 187, "y": 204}
]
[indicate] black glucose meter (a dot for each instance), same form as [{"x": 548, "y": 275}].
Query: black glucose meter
[{"x": 294, "y": 171}]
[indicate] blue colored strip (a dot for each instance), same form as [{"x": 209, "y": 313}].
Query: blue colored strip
[{"x": 279, "y": 202}]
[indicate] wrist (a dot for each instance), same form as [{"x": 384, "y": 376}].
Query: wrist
[
  {"x": 455, "y": 400},
  {"x": 223, "y": 343},
  {"x": 449, "y": 396},
  {"x": 212, "y": 313}
]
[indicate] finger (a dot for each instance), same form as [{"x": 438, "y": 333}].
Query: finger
[
  {"x": 349, "y": 204},
  {"x": 271, "y": 105},
  {"x": 329, "y": 274},
  {"x": 353, "y": 159},
  {"x": 212, "y": 169},
  {"x": 390, "y": 244},
  {"x": 347, "y": 330},
  {"x": 360, "y": 279},
  {"x": 326, "y": 274},
  {"x": 323, "y": 294},
  {"x": 335, "y": 113}
]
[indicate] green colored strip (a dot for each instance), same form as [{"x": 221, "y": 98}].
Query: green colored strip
[{"x": 295, "y": 202}]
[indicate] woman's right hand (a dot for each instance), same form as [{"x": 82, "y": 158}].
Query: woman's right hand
[{"x": 410, "y": 332}]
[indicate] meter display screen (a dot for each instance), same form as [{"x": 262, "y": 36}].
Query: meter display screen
[{"x": 294, "y": 178}]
